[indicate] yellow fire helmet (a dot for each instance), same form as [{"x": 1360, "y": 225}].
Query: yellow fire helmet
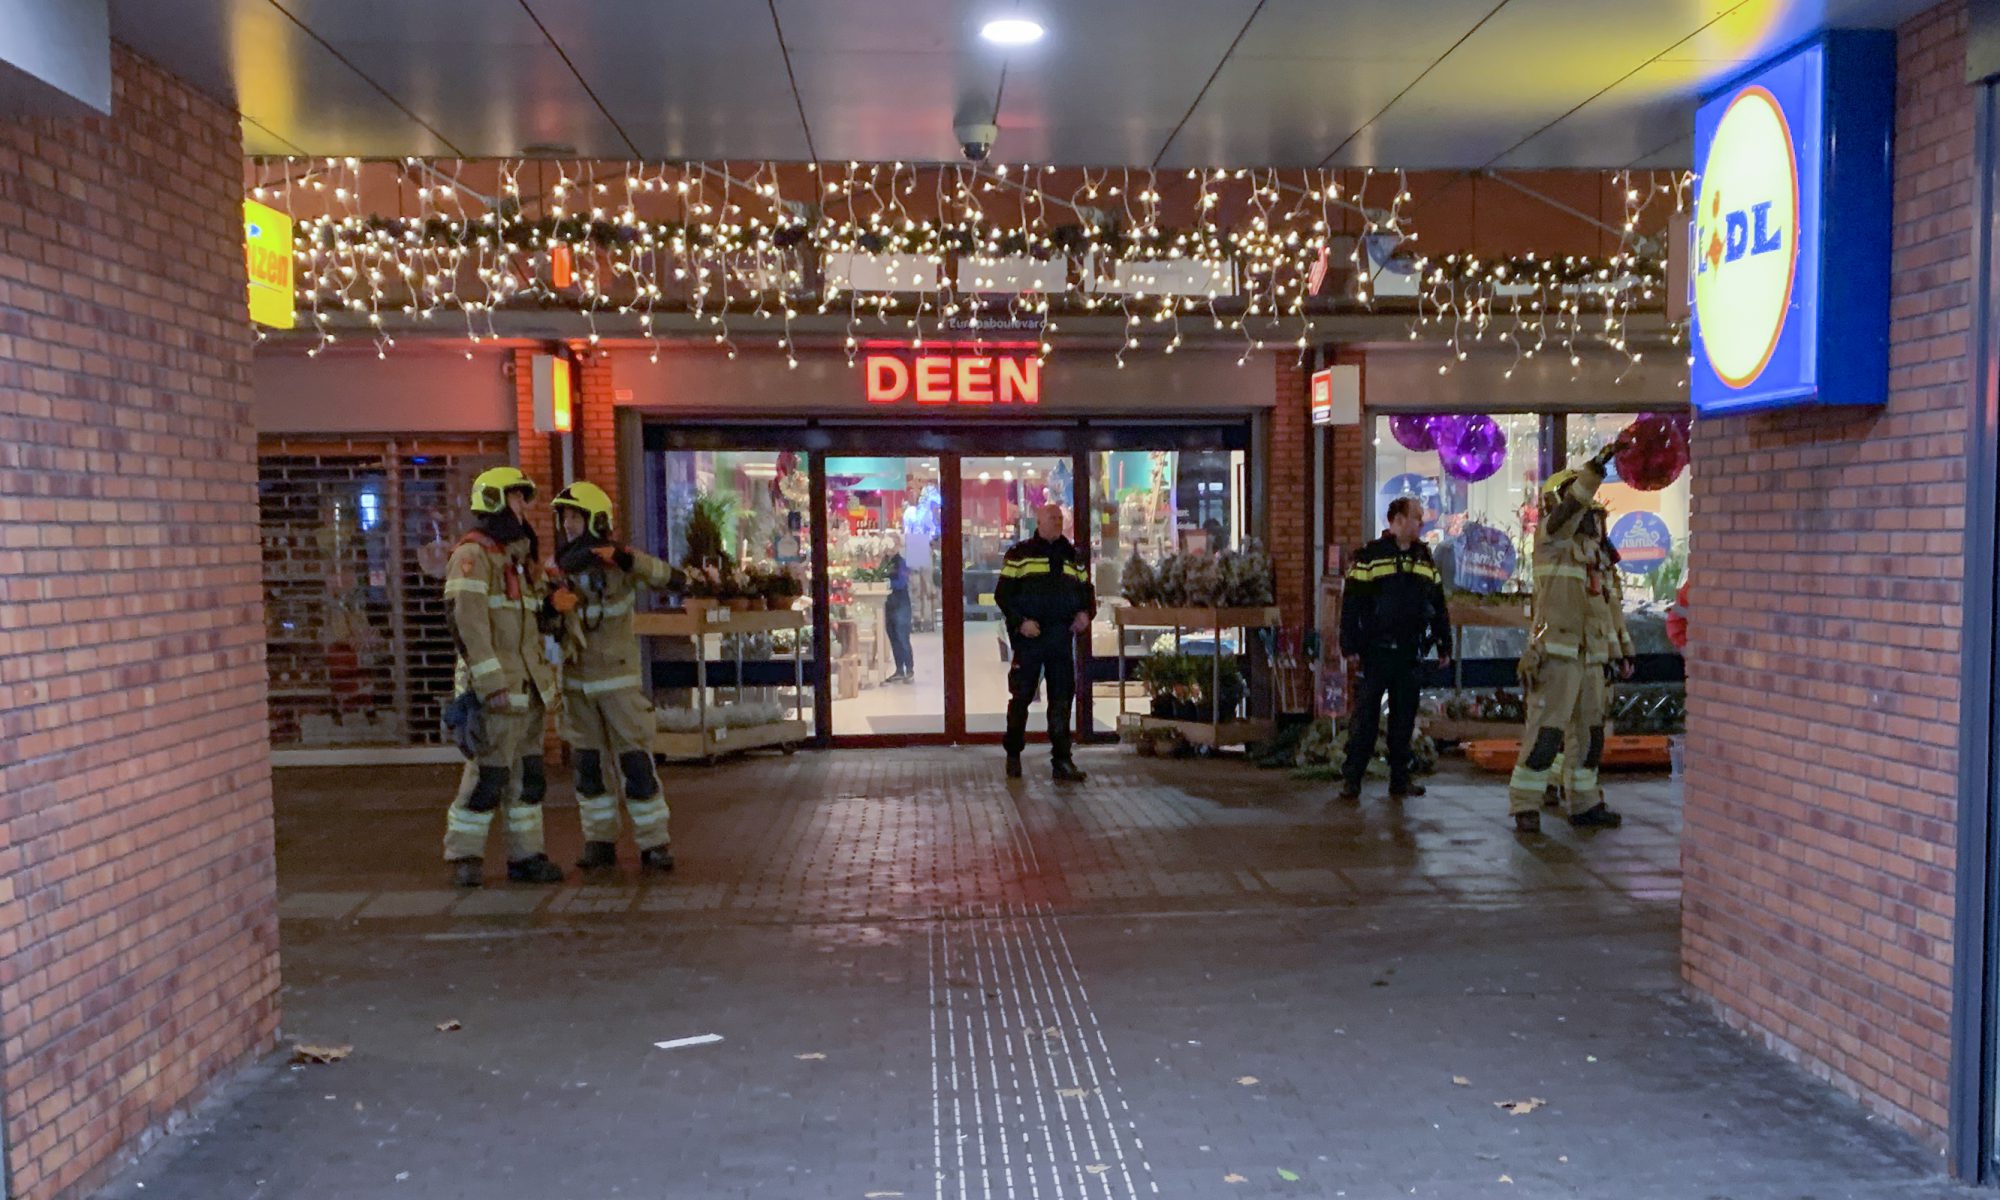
[
  {"x": 489, "y": 491},
  {"x": 590, "y": 500}
]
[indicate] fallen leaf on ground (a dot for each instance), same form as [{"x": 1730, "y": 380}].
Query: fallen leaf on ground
[
  {"x": 449, "y": 1027},
  {"x": 1074, "y": 1093},
  {"x": 1248, "y": 1081},
  {"x": 1097, "y": 1168},
  {"x": 305, "y": 1053},
  {"x": 1461, "y": 1081},
  {"x": 1520, "y": 1108},
  {"x": 809, "y": 1057},
  {"x": 1288, "y": 1176},
  {"x": 1234, "y": 1179},
  {"x": 1506, "y": 1179}
]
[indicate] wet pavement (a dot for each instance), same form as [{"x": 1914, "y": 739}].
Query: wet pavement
[{"x": 1182, "y": 978}]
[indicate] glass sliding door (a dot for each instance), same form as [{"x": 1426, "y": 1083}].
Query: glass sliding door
[
  {"x": 998, "y": 499},
  {"x": 883, "y": 520}
]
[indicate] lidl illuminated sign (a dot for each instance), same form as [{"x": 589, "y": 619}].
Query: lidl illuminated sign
[
  {"x": 1789, "y": 253},
  {"x": 970, "y": 379},
  {"x": 267, "y": 257}
]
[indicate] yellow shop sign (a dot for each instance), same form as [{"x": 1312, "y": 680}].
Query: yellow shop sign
[{"x": 267, "y": 251}]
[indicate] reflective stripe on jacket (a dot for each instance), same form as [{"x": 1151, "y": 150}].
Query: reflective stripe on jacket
[
  {"x": 601, "y": 623},
  {"x": 495, "y": 603}
]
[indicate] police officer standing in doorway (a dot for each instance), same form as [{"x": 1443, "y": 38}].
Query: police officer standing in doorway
[
  {"x": 1392, "y": 613},
  {"x": 1045, "y": 596}
]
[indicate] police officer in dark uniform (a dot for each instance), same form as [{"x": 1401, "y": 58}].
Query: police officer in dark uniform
[
  {"x": 1392, "y": 613},
  {"x": 1044, "y": 594}
]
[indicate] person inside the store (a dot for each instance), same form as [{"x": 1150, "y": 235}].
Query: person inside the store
[
  {"x": 1392, "y": 616},
  {"x": 1047, "y": 601},
  {"x": 494, "y": 588},
  {"x": 896, "y": 612}
]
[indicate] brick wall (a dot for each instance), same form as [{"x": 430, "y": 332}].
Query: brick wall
[
  {"x": 1823, "y": 666},
  {"x": 1290, "y": 500},
  {"x": 597, "y": 426},
  {"x": 537, "y": 450},
  {"x": 138, "y": 923},
  {"x": 1347, "y": 518}
]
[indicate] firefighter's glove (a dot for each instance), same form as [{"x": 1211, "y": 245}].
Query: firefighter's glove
[
  {"x": 563, "y": 601},
  {"x": 1529, "y": 669},
  {"x": 616, "y": 556}
]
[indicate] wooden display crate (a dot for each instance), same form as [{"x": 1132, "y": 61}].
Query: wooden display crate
[
  {"x": 1213, "y": 736},
  {"x": 1492, "y": 616},
  {"x": 716, "y": 621},
  {"x": 707, "y": 744},
  {"x": 1150, "y": 617}
]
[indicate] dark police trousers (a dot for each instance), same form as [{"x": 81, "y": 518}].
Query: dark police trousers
[
  {"x": 1051, "y": 656},
  {"x": 1394, "y": 671}
]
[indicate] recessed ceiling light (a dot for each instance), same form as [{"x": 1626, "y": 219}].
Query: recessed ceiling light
[{"x": 1012, "y": 31}]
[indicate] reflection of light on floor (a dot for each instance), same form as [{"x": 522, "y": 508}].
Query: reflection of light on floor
[{"x": 919, "y": 707}]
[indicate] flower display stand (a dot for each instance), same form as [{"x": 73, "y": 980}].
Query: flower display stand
[
  {"x": 698, "y": 625},
  {"x": 1219, "y": 731}
]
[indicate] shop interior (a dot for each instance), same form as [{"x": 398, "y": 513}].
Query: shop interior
[{"x": 912, "y": 547}]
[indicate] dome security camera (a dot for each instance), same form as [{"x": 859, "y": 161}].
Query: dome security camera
[{"x": 976, "y": 141}]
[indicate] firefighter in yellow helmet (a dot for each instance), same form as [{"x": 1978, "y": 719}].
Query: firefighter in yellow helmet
[
  {"x": 1574, "y": 786},
  {"x": 606, "y": 717},
  {"x": 504, "y": 680},
  {"x": 1571, "y": 643}
]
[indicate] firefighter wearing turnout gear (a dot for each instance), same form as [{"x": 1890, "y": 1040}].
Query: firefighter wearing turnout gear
[
  {"x": 494, "y": 592},
  {"x": 1392, "y": 615},
  {"x": 1045, "y": 597},
  {"x": 1575, "y": 787},
  {"x": 1576, "y": 633},
  {"x": 606, "y": 716}
]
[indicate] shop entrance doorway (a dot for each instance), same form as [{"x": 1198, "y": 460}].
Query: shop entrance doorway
[{"x": 900, "y": 533}]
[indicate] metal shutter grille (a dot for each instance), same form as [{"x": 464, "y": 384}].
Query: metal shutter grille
[{"x": 359, "y": 649}]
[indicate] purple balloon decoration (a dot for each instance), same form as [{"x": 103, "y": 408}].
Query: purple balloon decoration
[
  {"x": 1414, "y": 431},
  {"x": 1476, "y": 449}
]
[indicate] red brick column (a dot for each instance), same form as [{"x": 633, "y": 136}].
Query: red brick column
[
  {"x": 597, "y": 427},
  {"x": 1347, "y": 517},
  {"x": 1289, "y": 503},
  {"x": 1823, "y": 664},
  {"x": 138, "y": 907},
  {"x": 537, "y": 450}
]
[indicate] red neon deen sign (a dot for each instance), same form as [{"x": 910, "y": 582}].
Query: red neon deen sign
[{"x": 969, "y": 379}]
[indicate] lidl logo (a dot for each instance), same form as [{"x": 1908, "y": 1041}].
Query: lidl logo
[{"x": 1746, "y": 231}]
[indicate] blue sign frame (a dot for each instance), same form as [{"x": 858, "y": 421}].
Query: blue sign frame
[{"x": 1837, "y": 98}]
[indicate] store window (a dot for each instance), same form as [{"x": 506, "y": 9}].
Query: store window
[
  {"x": 735, "y": 520},
  {"x": 1478, "y": 493},
  {"x": 1649, "y": 525},
  {"x": 1152, "y": 503}
]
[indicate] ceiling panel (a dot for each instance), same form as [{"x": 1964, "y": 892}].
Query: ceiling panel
[
  {"x": 1531, "y": 63},
  {"x": 1113, "y": 78},
  {"x": 686, "y": 78},
  {"x": 1287, "y": 111},
  {"x": 886, "y": 79}
]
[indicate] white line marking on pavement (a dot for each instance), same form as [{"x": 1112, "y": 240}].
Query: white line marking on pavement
[{"x": 705, "y": 1039}]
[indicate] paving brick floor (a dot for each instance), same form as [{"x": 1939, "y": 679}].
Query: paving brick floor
[{"x": 1183, "y": 978}]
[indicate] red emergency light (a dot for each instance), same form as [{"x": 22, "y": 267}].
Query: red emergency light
[{"x": 951, "y": 378}]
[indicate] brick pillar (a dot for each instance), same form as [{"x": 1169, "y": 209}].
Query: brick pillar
[
  {"x": 1347, "y": 517},
  {"x": 1290, "y": 501},
  {"x": 537, "y": 461},
  {"x": 138, "y": 900},
  {"x": 597, "y": 427},
  {"x": 1823, "y": 665},
  {"x": 537, "y": 457}
]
